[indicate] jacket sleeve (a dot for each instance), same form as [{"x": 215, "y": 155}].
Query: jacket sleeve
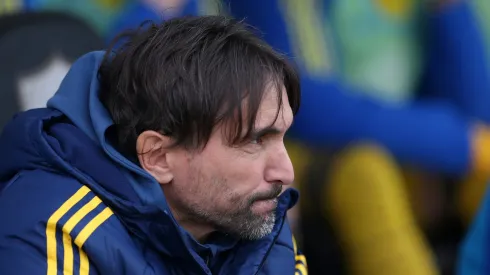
[
  {"x": 457, "y": 63},
  {"x": 430, "y": 134},
  {"x": 39, "y": 222},
  {"x": 20, "y": 257}
]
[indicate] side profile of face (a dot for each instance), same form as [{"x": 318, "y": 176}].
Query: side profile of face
[{"x": 232, "y": 189}]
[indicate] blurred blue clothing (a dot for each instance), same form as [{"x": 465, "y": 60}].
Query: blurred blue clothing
[
  {"x": 457, "y": 62},
  {"x": 69, "y": 201},
  {"x": 475, "y": 250},
  {"x": 131, "y": 17}
]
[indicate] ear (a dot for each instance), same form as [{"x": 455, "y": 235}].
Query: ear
[{"x": 153, "y": 155}]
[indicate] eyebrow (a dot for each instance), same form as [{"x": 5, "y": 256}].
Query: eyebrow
[{"x": 264, "y": 132}]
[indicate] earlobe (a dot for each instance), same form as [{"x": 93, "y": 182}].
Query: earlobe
[{"x": 153, "y": 155}]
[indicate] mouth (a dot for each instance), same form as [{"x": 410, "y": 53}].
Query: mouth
[{"x": 263, "y": 207}]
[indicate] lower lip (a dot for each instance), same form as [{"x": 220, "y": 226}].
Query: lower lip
[{"x": 264, "y": 206}]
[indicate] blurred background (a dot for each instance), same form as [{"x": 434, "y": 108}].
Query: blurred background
[{"x": 391, "y": 147}]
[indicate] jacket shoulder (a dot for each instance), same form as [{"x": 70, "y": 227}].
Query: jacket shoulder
[
  {"x": 55, "y": 223},
  {"x": 34, "y": 196}
]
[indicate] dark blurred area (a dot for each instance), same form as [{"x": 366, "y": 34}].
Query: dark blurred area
[{"x": 391, "y": 147}]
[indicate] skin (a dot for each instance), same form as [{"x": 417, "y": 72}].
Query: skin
[
  {"x": 231, "y": 189},
  {"x": 168, "y": 8}
]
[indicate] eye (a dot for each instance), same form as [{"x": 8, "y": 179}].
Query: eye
[{"x": 257, "y": 140}]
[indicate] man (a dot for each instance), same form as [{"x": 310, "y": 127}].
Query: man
[{"x": 164, "y": 156}]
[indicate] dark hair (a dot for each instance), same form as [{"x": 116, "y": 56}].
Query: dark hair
[{"x": 186, "y": 75}]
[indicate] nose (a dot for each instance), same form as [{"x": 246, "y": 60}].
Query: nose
[{"x": 280, "y": 167}]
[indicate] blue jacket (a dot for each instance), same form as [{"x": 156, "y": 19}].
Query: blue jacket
[{"x": 69, "y": 202}]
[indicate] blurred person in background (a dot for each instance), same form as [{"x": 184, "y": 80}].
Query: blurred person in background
[
  {"x": 163, "y": 156},
  {"x": 29, "y": 75}
]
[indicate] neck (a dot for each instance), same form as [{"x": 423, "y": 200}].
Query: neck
[{"x": 199, "y": 231}]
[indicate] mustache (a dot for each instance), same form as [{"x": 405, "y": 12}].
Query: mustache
[{"x": 269, "y": 195}]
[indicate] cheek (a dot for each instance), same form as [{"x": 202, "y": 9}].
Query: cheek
[
  {"x": 243, "y": 178},
  {"x": 238, "y": 174}
]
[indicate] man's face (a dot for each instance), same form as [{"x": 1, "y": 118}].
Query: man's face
[{"x": 235, "y": 189}]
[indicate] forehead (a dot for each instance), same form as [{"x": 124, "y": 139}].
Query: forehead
[{"x": 268, "y": 110}]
